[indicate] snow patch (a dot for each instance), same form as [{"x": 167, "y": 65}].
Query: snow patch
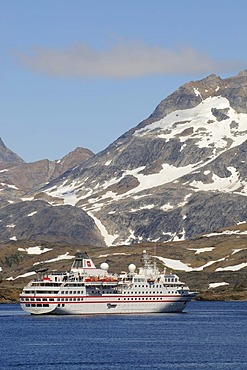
[
  {"x": 22, "y": 276},
  {"x": 108, "y": 162},
  {"x": 227, "y": 232},
  {"x": 207, "y": 130},
  {"x": 65, "y": 256},
  {"x": 114, "y": 254},
  {"x": 210, "y": 264},
  {"x": 167, "y": 207},
  {"x": 231, "y": 183},
  {"x": 35, "y": 250},
  {"x": 237, "y": 250},
  {"x": 201, "y": 250},
  {"x": 216, "y": 285},
  {"x": 232, "y": 268},
  {"x": 32, "y": 213},
  {"x": 109, "y": 239},
  {"x": 174, "y": 264}
]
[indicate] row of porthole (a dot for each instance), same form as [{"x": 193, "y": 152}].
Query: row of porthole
[{"x": 51, "y": 299}]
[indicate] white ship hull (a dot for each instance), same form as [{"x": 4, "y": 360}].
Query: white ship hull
[
  {"x": 109, "y": 305},
  {"x": 104, "y": 308},
  {"x": 86, "y": 290}
]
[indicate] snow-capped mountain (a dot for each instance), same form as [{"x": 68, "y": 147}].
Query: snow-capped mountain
[
  {"x": 179, "y": 173},
  {"x": 18, "y": 178},
  {"x": 20, "y": 219}
]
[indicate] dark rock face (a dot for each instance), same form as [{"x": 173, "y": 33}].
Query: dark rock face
[{"x": 39, "y": 220}]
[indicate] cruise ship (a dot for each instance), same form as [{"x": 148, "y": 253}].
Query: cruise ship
[{"x": 86, "y": 289}]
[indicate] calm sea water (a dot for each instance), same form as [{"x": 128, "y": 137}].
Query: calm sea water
[{"x": 209, "y": 335}]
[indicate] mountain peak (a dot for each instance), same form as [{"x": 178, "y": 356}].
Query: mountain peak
[
  {"x": 180, "y": 173},
  {"x": 7, "y": 156}
]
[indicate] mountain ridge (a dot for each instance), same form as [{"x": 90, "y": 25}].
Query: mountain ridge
[
  {"x": 173, "y": 154},
  {"x": 156, "y": 181}
]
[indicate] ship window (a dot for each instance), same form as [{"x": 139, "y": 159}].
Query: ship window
[{"x": 33, "y": 305}]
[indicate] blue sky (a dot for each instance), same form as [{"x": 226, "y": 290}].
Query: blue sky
[{"x": 82, "y": 72}]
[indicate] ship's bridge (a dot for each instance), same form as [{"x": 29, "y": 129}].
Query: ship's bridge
[{"x": 82, "y": 262}]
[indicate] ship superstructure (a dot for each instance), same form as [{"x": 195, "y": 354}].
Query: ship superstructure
[{"x": 86, "y": 289}]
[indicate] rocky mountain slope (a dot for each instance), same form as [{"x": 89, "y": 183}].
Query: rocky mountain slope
[
  {"x": 7, "y": 157},
  {"x": 178, "y": 174},
  {"x": 38, "y": 220},
  {"x": 18, "y": 178},
  {"x": 20, "y": 219}
]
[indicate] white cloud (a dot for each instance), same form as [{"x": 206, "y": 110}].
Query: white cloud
[{"x": 123, "y": 60}]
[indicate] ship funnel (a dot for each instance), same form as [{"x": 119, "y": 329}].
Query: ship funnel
[{"x": 81, "y": 262}]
